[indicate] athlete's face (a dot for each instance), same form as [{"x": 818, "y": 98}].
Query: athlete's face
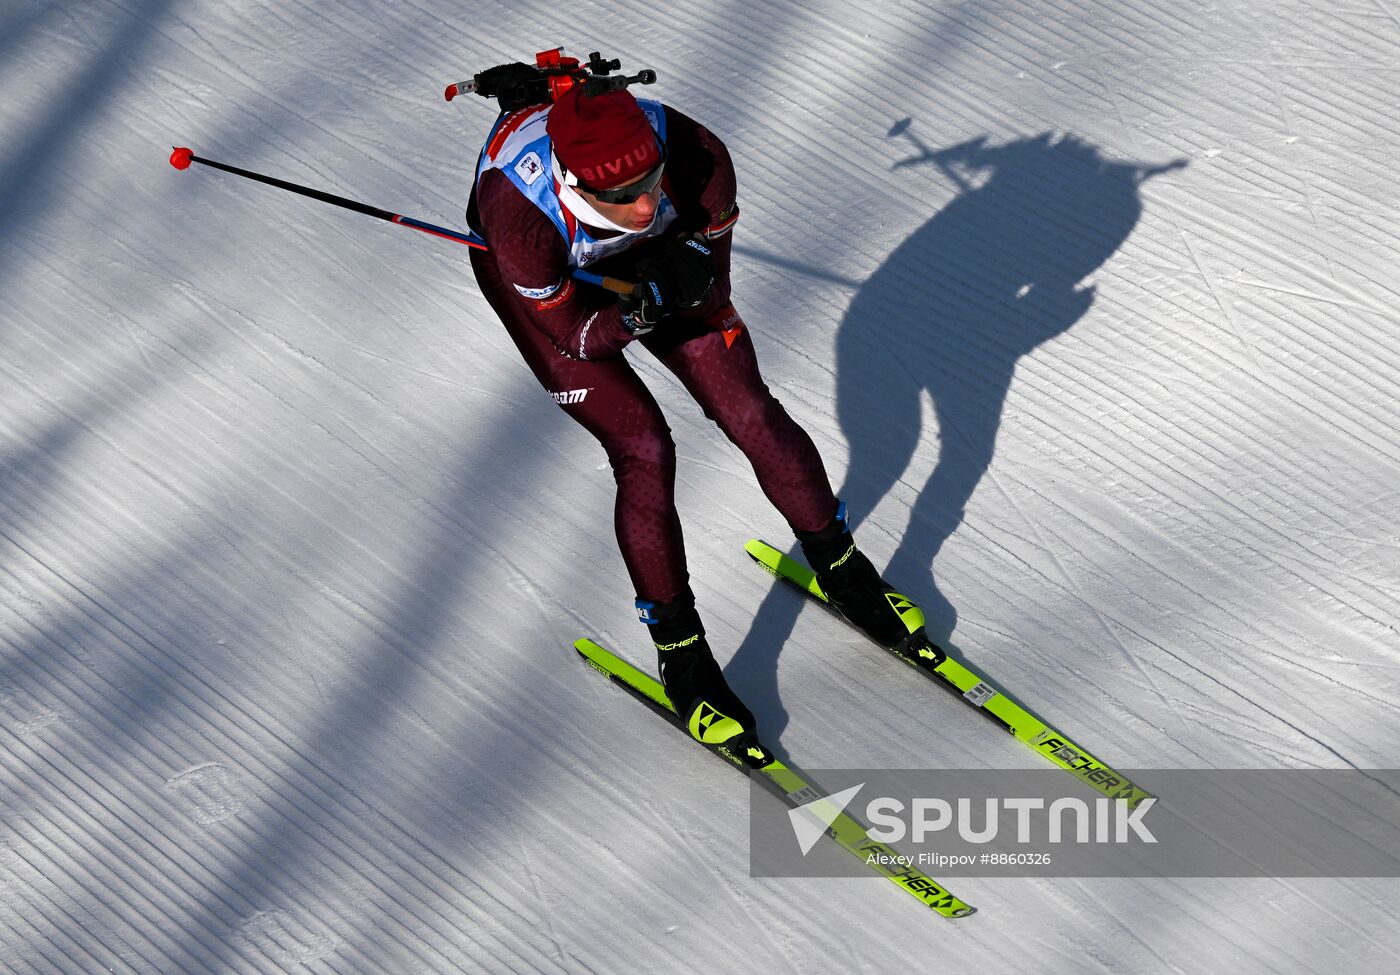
[{"x": 638, "y": 214}]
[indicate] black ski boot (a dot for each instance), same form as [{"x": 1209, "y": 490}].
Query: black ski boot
[
  {"x": 712, "y": 713},
  {"x": 856, "y": 590}
]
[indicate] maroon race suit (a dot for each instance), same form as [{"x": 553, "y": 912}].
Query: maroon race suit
[{"x": 573, "y": 340}]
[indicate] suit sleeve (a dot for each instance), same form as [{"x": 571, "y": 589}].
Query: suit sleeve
[
  {"x": 582, "y": 322},
  {"x": 703, "y": 188}
]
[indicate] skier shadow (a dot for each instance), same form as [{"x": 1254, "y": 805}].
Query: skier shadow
[{"x": 991, "y": 276}]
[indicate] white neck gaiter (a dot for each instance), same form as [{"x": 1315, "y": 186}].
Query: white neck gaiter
[{"x": 580, "y": 208}]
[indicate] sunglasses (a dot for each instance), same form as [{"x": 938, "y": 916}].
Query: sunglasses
[{"x": 632, "y": 192}]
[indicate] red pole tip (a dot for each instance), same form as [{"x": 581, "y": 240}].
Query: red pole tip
[
  {"x": 451, "y": 92},
  {"x": 181, "y": 157}
]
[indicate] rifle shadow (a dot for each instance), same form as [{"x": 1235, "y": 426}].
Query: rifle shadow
[{"x": 996, "y": 272}]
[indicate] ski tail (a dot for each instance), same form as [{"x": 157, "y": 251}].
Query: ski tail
[{"x": 744, "y": 753}]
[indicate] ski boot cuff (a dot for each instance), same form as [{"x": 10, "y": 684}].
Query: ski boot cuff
[
  {"x": 833, "y": 530},
  {"x": 830, "y": 548},
  {"x": 672, "y": 623}
]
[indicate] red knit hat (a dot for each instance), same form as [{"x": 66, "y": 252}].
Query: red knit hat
[{"x": 604, "y": 140}]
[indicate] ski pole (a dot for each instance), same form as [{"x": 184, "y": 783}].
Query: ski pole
[{"x": 182, "y": 157}]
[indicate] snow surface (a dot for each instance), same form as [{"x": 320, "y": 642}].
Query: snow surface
[{"x": 1090, "y": 307}]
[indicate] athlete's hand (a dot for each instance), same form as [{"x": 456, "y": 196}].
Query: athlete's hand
[{"x": 677, "y": 278}]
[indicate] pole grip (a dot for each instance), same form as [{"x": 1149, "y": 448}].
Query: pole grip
[{"x": 615, "y": 285}]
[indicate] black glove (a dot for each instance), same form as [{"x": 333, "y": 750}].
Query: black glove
[
  {"x": 678, "y": 278},
  {"x": 513, "y": 85}
]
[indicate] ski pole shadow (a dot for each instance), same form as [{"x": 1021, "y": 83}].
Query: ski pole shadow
[{"x": 993, "y": 274}]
